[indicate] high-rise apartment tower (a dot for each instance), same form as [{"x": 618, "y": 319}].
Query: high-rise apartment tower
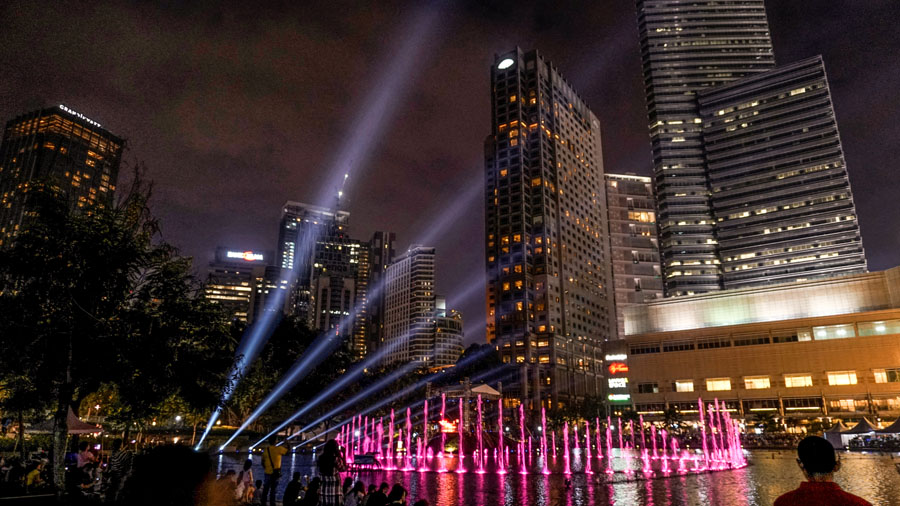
[{"x": 549, "y": 294}]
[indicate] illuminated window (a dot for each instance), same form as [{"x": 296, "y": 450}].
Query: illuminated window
[
  {"x": 503, "y": 172},
  {"x": 833, "y": 332},
  {"x": 542, "y": 328},
  {"x": 543, "y": 343},
  {"x": 505, "y": 287},
  {"x": 514, "y": 142},
  {"x": 797, "y": 380},
  {"x": 520, "y": 359},
  {"x": 879, "y": 328},
  {"x": 756, "y": 382},
  {"x": 512, "y": 98},
  {"x": 684, "y": 385},
  {"x": 887, "y": 375},
  {"x": 718, "y": 384},
  {"x": 518, "y": 268},
  {"x": 517, "y": 238},
  {"x": 842, "y": 378},
  {"x": 519, "y": 285},
  {"x": 518, "y": 306},
  {"x": 545, "y": 359}
]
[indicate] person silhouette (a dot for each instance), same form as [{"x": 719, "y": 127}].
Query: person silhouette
[{"x": 818, "y": 462}]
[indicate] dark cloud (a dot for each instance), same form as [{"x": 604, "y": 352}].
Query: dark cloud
[{"x": 235, "y": 110}]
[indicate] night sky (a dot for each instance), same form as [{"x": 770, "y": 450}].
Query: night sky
[{"x": 234, "y": 111}]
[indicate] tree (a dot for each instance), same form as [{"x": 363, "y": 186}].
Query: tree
[{"x": 88, "y": 296}]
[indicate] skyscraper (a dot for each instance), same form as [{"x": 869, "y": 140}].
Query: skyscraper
[
  {"x": 410, "y": 307},
  {"x": 549, "y": 299},
  {"x": 231, "y": 277},
  {"x": 59, "y": 149},
  {"x": 688, "y": 46},
  {"x": 751, "y": 183},
  {"x": 381, "y": 255},
  {"x": 780, "y": 191},
  {"x": 633, "y": 244}
]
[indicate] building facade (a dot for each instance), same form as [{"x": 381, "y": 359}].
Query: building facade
[
  {"x": 549, "y": 294},
  {"x": 688, "y": 46},
  {"x": 417, "y": 325},
  {"x": 381, "y": 255},
  {"x": 780, "y": 191},
  {"x": 230, "y": 279},
  {"x": 634, "y": 249},
  {"x": 803, "y": 351},
  {"x": 55, "y": 149},
  {"x": 270, "y": 294}
]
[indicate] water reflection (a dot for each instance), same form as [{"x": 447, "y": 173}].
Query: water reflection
[{"x": 769, "y": 475}]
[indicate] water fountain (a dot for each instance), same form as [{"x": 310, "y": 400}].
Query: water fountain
[{"x": 497, "y": 451}]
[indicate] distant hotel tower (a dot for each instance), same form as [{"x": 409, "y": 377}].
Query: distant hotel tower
[
  {"x": 59, "y": 148},
  {"x": 750, "y": 178},
  {"x": 549, "y": 293},
  {"x": 632, "y": 236},
  {"x": 687, "y": 46},
  {"x": 231, "y": 278}
]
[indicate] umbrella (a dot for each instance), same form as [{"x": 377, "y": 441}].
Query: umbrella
[{"x": 76, "y": 426}]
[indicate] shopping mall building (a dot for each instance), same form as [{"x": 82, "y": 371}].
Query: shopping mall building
[{"x": 805, "y": 350}]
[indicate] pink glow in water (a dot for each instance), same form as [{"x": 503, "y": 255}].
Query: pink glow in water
[
  {"x": 390, "y": 448},
  {"x": 553, "y": 435},
  {"x": 631, "y": 429},
  {"x": 568, "y": 469},
  {"x": 587, "y": 447},
  {"x": 545, "y": 470},
  {"x": 597, "y": 433},
  {"x": 380, "y": 438},
  {"x": 443, "y": 452},
  {"x": 523, "y": 470},
  {"x": 665, "y": 460},
  {"x": 619, "y": 422},
  {"x": 575, "y": 435},
  {"x": 609, "y": 452},
  {"x": 501, "y": 468},
  {"x": 643, "y": 436},
  {"x": 407, "y": 465},
  {"x": 653, "y": 438},
  {"x": 480, "y": 429},
  {"x": 645, "y": 457},
  {"x": 628, "y": 459},
  {"x": 460, "y": 427},
  {"x": 703, "y": 435}
]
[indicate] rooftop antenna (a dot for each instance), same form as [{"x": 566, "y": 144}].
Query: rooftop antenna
[{"x": 340, "y": 193}]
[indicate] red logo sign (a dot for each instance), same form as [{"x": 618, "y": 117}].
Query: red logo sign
[{"x": 617, "y": 367}]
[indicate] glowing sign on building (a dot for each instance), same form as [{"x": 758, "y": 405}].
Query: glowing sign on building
[
  {"x": 617, "y": 367},
  {"x": 79, "y": 116},
  {"x": 619, "y": 397},
  {"x": 447, "y": 426},
  {"x": 249, "y": 256},
  {"x": 618, "y": 382},
  {"x": 613, "y": 358}
]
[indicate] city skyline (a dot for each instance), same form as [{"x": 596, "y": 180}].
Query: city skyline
[{"x": 181, "y": 139}]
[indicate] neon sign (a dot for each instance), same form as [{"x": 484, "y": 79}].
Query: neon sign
[
  {"x": 618, "y": 382},
  {"x": 249, "y": 256},
  {"x": 79, "y": 115},
  {"x": 617, "y": 367},
  {"x": 618, "y": 356},
  {"x": 619, "y": 397}
]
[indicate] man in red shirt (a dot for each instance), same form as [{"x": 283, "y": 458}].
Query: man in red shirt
[{"x": 818, "y": 463}]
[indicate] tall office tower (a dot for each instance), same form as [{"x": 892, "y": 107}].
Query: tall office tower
[
  {"x": 549, "y": 299},
  {"x": 302, "y": 226},
  {"x": 59, "y": 149},
  {"x": 633, "y": 245},
  {"x": 268, "y": 285},
  {"x": 359, "y": 345},
  {"x": 780, "y": 191},
  {"x": 381, "y": 255},
  {"x": 337, "y": 297},
  {"x": 448, "y": 334},
  {"x": 231, "y": 278},
  {"x": 688, "y": 46},
  {"x": 410, "y": 309}
]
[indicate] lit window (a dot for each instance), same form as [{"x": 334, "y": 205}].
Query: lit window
[
  {"x": 520, "y": 359},
  {"x": 756, "y": 382},
  {"x": 833, "y": 332},
  {"x": 718, "y": 384},
  {"x": 797, "y": 380},
  {"x": 545, "y": 359},
  {"x": 887, "y": 375},
  {"x": 879, "y": 328},
  {"x": 519, "y": 285},
  {"x": 503, "y": 172},
  {"x": 842, "y": 378},
  {"x": 505, "y": 287},
  {"x": 684, "y": 385}
]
